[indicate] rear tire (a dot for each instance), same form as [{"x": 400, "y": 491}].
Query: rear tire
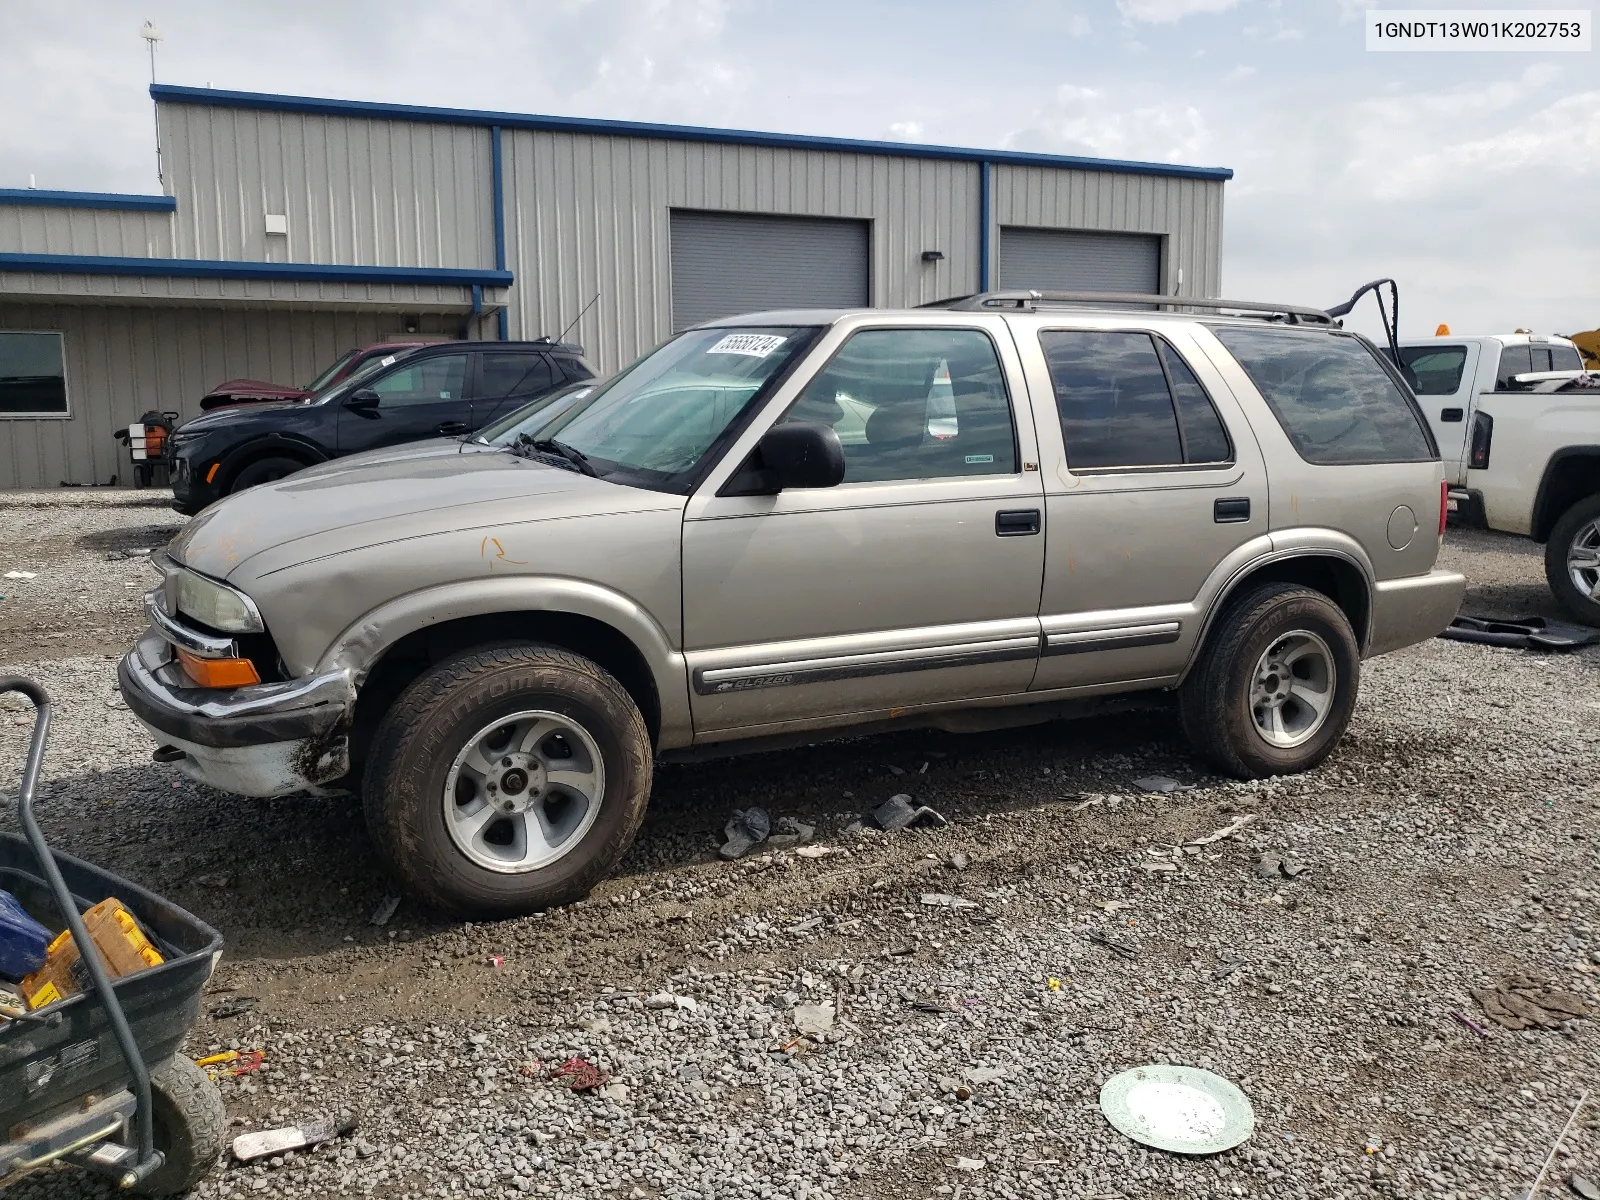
[
  {"x": 1276, "y": 684},
  {"x": 1574, "y": 551},
  {"x": 507, "y": 780},
  {"x": 189, "y": 1127},
  {"x": 265, "y": 470}
]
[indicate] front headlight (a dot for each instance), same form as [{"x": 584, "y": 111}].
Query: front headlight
[{"x": 216, "y": 606}]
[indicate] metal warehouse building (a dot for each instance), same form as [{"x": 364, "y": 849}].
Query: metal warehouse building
[{"x": 297, "y": 228}]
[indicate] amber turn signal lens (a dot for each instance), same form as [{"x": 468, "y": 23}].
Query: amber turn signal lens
[
  {"x": 218, "y": 672},
  {"x": 212, "y": 473}
]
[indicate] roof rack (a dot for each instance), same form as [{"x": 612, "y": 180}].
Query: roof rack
[{"x": 1031, "y": 300}]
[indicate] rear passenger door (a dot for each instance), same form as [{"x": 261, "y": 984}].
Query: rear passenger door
[
  {"x": 1152, "y": 478},
  {"x": 508, "y": 379}
]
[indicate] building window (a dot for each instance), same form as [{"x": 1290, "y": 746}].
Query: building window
[{"x": 33, "y": 375}]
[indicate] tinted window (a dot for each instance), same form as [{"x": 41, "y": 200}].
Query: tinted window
[
  {"x": 33, "y": 379},
  {"x": 1204, "y": 438},
  {"x": 1435, "y": 370},
  {"x": 1129, "y": 400},
  {"x": 1565, "y": 358},
  {"x": 434, "y": 380},
  {"x": 914, "y": 404},
  {"x": 1331, "y": 395},
  {"x": 501, "y": 373},
  {"x": 1514, "y": 360}
]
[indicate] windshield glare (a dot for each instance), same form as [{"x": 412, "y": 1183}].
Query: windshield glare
[
  {"x": 321, "y": 381},
  {"x": 531, "y": 418},
  {"x": 653, "y": 424},
  {"x": 362, "y": 373}
]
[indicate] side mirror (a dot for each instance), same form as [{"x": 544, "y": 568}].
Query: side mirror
[
  {"x": 804, "y": 454},
  {"x": 362, "y": 400}
]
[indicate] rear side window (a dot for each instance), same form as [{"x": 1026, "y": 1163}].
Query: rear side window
[
  {"x": 1332, "y": 396},
  {"x": 1435, "y": 370},
  {"x": 1565, "y": 358},
  {"x": 1514, "y": 360},
  {"x": 1128, "y": 400}
]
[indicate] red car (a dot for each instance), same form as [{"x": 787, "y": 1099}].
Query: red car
[{"x": 256, "y": 391}]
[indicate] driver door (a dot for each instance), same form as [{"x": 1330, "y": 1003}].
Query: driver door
[
  {"x": 916, "y": 581},
  {"x": 417, "y": 398}
]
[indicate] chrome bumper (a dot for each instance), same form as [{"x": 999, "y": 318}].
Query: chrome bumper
[
  {"x": 1414, "y": 609},
  {"x": 264, "y": 740}
]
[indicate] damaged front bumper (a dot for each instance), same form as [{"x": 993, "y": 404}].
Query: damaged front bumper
[{"x": 268, "y": 739}]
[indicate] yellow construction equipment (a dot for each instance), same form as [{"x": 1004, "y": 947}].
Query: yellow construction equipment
[{"x": 1588, "y": 345}]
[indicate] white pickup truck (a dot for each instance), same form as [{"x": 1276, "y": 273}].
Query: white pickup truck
[{"x": 1518, "y": 426}]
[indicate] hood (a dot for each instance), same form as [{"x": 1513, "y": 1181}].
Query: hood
[
  {"x": 237, "y": 414},
  {"x": 256, "y": 389},
  {"x": 370, "y": 499}
]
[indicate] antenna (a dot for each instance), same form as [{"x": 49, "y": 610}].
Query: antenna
[
  {"x": 578, "y": 318},
  {"x": 151, "y": 36}
]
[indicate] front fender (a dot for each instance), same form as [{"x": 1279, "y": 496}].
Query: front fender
[{"x": 364, "y": 641}]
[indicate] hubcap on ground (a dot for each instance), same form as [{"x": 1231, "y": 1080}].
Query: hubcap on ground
[
  {"x": 1583, "y": 560},
  {"x": 1291, "y": 692},
  {"x": 523, "y": 791}
]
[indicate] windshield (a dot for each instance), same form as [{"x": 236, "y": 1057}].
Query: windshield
[
  {"x": 653, "y": 424},
  {"x": 531, "y": 418},
  {"x": 322, "y": 381},
  {"x": 364, "y": 372}
]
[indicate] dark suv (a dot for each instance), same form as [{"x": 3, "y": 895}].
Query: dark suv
[{"x": 442, "y": 389}]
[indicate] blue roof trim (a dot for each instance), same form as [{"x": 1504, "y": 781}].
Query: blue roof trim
[
  {"x": 216, "y": 98},
  {"x": 200, "y": 268},
  {"x": 108, "y": 200}
]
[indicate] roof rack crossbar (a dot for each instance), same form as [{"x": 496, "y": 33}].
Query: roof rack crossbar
[{"x": 1030, "y": 301}]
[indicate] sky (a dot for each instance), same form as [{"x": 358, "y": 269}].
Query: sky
[{"x": 1472, "y": 178}]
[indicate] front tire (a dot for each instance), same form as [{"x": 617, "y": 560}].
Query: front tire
[
  {"x": 507, "y": 780},
  {"x": 188, "y": 1127},
  {"x": 1572, "y": 560},
  {"x": 1276, "y": 684},
  {"x": 265, "y": 470}
]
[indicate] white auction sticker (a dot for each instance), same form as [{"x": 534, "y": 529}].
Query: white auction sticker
[
  {"x": 752, "y": 345},
  {"x": 1545, "y": 29}
]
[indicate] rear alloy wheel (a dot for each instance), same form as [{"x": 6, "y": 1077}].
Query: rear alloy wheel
[
  {"x": 265, "y": 470},
  {"x": 1276, "y": 684},
  {"x": 507, "y": 780},
  {"x": 1572, "y": 560}
]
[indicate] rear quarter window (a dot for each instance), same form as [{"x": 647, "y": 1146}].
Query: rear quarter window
[
  {"x": 1333, "y": 397},
  {"x": 1435, "y": 370}
]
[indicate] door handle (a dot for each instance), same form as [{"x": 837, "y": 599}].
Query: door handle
[
  {"x": 1016, "y": 522},
  {"x": 1230, "y": 510},
  {"x": 450, "y": 427},
  {"x": 1451, "y": 414}
]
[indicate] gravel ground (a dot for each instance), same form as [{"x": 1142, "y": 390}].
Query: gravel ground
[{"x": 1450, "y": 843}]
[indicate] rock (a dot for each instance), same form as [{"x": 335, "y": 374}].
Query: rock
[
  {"x": 797, "y": 832},
  {"x": 745, "y": 828},
  {"x": 1161, "y": 785},
  {"x": 664, "y": 1000},
  {"x": 959, "y": 861},
  {"x": 970, "y": 1164},
  {"x": 1582, "y": 1185},
  {"x": 1269, "y": 866},
  {"x": 813, "y": 1019},
  {"x": 617, "y": 1092}
]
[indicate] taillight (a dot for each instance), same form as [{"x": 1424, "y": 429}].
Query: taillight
[
  {"x": 1482, "y": 435},
  {"x": 1444, "y": 504}
]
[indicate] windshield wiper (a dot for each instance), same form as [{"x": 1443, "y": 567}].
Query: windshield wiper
[{"x": 579, "y": 460}]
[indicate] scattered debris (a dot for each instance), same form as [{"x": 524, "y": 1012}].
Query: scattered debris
[
  {"x": 1524, "y": 633},
  {"x": 271, "y": 1142},
  {"x": 1053, "y": 983},
  {"x": 234, "y": 1006},
  {"x": 1477, "y": 1029},
  {"x": 386, "y": 909},
  {"x": 959, "y": 861},
  {"x": 900, "y": 811},
  {"x": 942, "y": 900},
  {"x": 615, "y": 1092},
  {"x": 497, "y": 961},
  {"x": 1523, "y": 1002},
  {"x": 1111, "y": 944},
  {"x": 1279, "y": 866},
  {"x": 663, "y": 1000},
  {"x": 1161, "y": 785},
  {"x": 1181, "y": 1109},
  {"x": 1227, "y": 831},
  {"x": 970, "y": 1164},
  {"x": 579, "y": 1074},
  {"x": 747, "y": 827},
  {"x": 798, "y": 832},
  {"x": 817, "y": 851},
  {"x": 1083, "y": 804},
  {"x": 22, "y": 574},
  {"x": 1158, "y": 864},
  {"x": 1111, "y": 906},
  {"x": 813, "y": 1019}
]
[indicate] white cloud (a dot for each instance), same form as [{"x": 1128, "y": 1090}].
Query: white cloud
[
  {"x": 1088, "y": 121},
  {"x": 1166, "y": 11},
  {"x": 1078, "y": 25},
  {"x": 908, "y": 131},
  {"x": 1238, "y": 74}
]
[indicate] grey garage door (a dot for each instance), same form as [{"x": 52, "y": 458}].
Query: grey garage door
[
  {"x": 729, "y": 263},
  {"x": 1068, "y": 260}
]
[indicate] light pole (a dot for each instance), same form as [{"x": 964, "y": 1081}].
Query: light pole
[{"x": 151, "y": 36}]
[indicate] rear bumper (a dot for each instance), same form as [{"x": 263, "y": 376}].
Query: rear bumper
[
  {"x": 1414, "y": 609},
  {"x": 265, "y": 740},
  {"x": 1466, "y": 508}
]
